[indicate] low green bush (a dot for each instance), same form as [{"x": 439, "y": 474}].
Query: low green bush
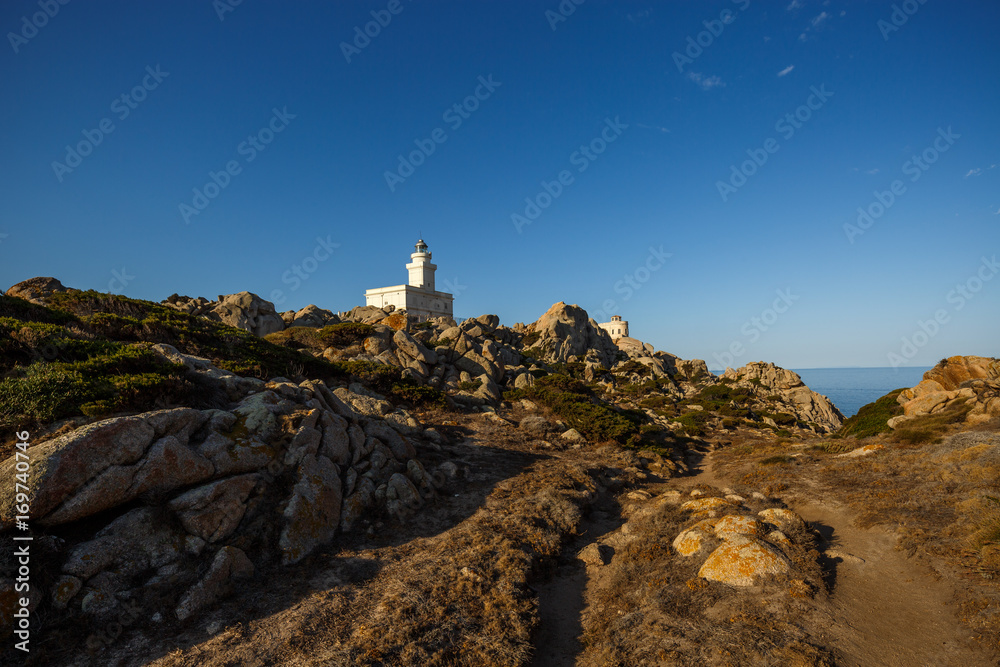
[{"x": 872, "y": 418}]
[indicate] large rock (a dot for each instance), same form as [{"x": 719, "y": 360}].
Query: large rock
[
  {"x": 366, "y": 314},
  {"x": 106, "y": 464},
  {"x": 36, "y": 290},
  {"x": 248, "y": 311},
  {"x": 788, "y": 393},
  {"x": 212, "y": 512},
  {"x": 313, "y": 513},
  {"x": 413, "y": 348},
  {"x": 132, "y": 543},
  {"x": 740, "y": 561},
  {"x": 313, "y": 316},
  {"x": 566, "y": 331},
  {"x": 974, "y": 380}
]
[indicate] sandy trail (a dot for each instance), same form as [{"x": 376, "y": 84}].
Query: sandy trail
[{"x": 884, "y": 609}]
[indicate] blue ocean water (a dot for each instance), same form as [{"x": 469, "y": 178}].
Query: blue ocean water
[{"x": 852, "y": 388}]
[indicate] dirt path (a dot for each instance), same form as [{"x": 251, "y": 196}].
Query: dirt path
[
  {"x": 884, "y": 609},
  {"x": 562, "y": 599}
]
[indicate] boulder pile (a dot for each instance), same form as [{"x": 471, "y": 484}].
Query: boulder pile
[
  {"x": 737, "y": 547},
  {"x": 786, "y": 392},
  {"x": 169, "y": 508},
  {"x": 972, "y": 381}
]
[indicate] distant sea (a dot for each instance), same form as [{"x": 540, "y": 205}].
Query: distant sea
[{"x": 852, "y": 388}]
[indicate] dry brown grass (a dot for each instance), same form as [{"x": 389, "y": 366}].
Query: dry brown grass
[
  {"x": 651, "y": 608},
  {"x": 937, "y": 483},
  {"x": 460, "y": 597}
]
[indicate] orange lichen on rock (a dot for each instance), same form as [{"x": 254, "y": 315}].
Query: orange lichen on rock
[{"x": 739, "y": 561}]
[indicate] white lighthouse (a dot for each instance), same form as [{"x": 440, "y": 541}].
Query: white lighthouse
[
  {"x": 418, "y": 298},
  {"x": 421, "y": 270}
]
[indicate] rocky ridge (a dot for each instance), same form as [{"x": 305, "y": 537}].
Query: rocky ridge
[{"x": 972, "y": 382}]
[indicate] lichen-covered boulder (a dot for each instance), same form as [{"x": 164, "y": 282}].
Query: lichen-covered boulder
[
  {"x": 785, "y": 520},
  {"x": 313, "y": 512},
  {"x": 742, "y": 560},
  {"x": 695, "y": 539}
]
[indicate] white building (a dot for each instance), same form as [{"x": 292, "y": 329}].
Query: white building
[
  {"x": 616, "y": 327},
  {"x": 418, "y": 298}
]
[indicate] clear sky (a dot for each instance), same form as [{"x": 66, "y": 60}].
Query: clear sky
[{"x": 739, "y": 138}]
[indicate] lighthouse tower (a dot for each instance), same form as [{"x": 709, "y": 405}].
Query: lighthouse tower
[
  {"x": 420, "y": 268},
  {"x": 418, "y": 297}
]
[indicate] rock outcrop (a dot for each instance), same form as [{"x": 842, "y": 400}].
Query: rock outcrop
[
  {"x": 566, "y": 331},
  {"x": 738, "y": 547},
  {"x": 787, "y": 393},
  {"x": 173, "y": 499},
  {"x": 972, "y": 381},
  {"x": 243, "y": 310},
  {"x": 36, "y": 290}
]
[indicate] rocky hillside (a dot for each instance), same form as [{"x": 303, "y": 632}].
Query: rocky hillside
[{"x": 180, "y": 448}]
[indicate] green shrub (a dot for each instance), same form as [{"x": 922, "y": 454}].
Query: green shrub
[
  {"x": 694, "y": 422},
  {"x": 530, "y": 339},
  {"x": 576, "y": 405},
  {"x": 410, "y": 392},
  {"x": 872, "y": 418},
  {"x": 654, "y": 402},
  {"x": 470, "y": 386},
  {"x": 345, "y": 333}
]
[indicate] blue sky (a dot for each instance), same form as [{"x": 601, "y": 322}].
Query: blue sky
[{"x": 836, "y": 96}]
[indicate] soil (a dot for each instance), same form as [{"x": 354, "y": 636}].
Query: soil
[{"x": 884, "y": 609}]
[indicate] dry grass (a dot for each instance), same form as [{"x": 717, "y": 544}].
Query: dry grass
[
  {"x": 461, "y": 597},
  {"x": 937, "y": 483},
  {"x": 650, "y": 607}
]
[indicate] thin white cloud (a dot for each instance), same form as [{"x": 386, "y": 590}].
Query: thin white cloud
[
  {"x": 705, "y": 82},
  {"x": 786, "y": 70},
  {"x": 872, "y": 172},
  {"x": 819, "y": 19},
  {"x": 973, "y": 172},
  {"x": 802, "y": 37},
  {"x": 998, "y": 212},
  {"x": 794, "y": 4}
]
